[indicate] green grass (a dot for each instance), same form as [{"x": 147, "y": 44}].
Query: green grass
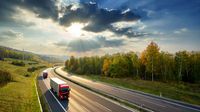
[
  {"x": 185, "y": 92},
  {"x": 19, "y": 95}
]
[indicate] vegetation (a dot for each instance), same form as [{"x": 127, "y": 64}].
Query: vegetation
[
  {"x": 19, "y": 95},
  {"x": 15, "y": 54},
  {"x": 34, "y": 68},
  {"x": 5, "y": 76},
  {"x": 175, "y": 76},
  {"x": 180, "y": 91},
  {"x": 152, "y": 64},
  {"x": 18, "y": 63},
  {"x": 6, "y": 52}
]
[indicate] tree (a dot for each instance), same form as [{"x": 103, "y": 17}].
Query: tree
[
  {"x": 135, "y": 62},
  {"x": 106, "y": 66},
  {"x": 151, "y": 55},
  {"x": 166, "y": 66},
  {"x": 182, "y": 64}
]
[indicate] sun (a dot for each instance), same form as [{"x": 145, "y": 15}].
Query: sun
[{"x": 75, "y": 29}]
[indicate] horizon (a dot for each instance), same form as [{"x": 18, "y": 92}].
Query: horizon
[{"x": 95, "y": 27}]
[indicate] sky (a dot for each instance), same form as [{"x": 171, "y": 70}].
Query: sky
[{"x": 99, "y": 27}]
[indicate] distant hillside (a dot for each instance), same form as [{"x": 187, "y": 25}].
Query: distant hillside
[
  {"x": 6, "y": 52},
  {"x": 53, "y": 58}
]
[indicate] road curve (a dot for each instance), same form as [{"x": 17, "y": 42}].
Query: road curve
[
  {"x": 81, "y": 99},
  {"x": 153, "y": 103}
]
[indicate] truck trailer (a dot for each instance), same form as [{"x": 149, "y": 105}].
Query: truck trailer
[{"x": 60, "y": 88}]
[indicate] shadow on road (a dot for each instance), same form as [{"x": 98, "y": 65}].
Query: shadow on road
[
  {"x": 40, "y": 77},
  {"x": 65, "y": 104}
]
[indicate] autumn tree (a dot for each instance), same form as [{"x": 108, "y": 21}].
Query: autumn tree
[
  {"x": 106, "y": 66},
  {"x": 151, "y": 55}
]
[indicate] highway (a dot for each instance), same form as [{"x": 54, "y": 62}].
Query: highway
[
  {"x": 81, "y": 99},
  {"x": 152, "y": 103}
]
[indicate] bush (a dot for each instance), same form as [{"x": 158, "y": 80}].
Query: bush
[
  {"x": 27, "y": 75},
  {"x": 33, "y": 63},
  {"x": 5, "y": 76},
  {"x": 18, "y": 63},
  {"x": 1, "y": 59},
  {"x": 32, "y": 69}
]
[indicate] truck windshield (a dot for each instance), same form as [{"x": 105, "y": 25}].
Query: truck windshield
[{"x": 64, "y": 89}]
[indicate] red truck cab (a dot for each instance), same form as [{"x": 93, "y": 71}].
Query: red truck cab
[
  {"x": 64, "y": 91},
  {"x": 45, "y": 74},
  {"x": 60, "y": 88}
]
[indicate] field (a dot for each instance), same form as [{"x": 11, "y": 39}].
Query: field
[
  {"x": 19, "y": 95},
  {"x": 183, "y": 91}
]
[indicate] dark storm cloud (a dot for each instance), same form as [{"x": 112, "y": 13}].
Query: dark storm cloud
[
  {"x": 43, "y": 9},
  {"x": 98, "y": 19},
  {"x": 81, "y": 45}
]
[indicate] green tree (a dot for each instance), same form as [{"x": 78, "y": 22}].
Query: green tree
[{"x": 151, "y": 56}]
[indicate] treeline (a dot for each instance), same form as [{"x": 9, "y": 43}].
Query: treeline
[
  {"x": 11, "y": 53},
  {"x": 151, "y": 64}
]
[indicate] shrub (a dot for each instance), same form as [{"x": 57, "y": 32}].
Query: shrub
[
  {"x": 27, "y": 75},
  {"x": 32, "y": 69},
  {"x": 18, "y": 63},
  {"x": 5, "y": 76},
  {"x": 1, "y": 59}
]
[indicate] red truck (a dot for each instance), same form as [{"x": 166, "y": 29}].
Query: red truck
[
  {"x": 45, "y": 74},
  {"x": 60, "y": 88}
]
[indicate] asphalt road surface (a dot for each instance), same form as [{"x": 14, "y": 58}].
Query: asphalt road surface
[
  {"x": 147, "y": 101},
  {"x": 81, "y": 99}
]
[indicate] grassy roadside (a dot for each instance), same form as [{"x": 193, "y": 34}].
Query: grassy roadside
[
  {"x": 19, "y": 95},
  {"x": 43, "y": 101},
  {"x": 185, "y": 92}
]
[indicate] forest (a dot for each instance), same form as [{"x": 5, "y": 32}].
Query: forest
[
  {"x": 151, "y": 64},
  {"x": 6, "y": 52}
]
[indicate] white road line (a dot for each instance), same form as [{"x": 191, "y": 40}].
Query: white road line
[
  {"x": 56, "y": 99},
  {"x": 103, "y": 106},
  {"x": 90, "y": 101},
  {"x": 105, "y": 98},
  {"x": 154, "y": 103},
  {"x": 85, "y": 109},
  {"x": 38, "y": 98}
]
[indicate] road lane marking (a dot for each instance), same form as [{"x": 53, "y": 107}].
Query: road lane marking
[
  {"x": 154, "y": 103},
  {"x": 103, "y": 106},
  {"x": 86, "y": 109},
  {"x": 103, "y": 97},
  {"x": 74, "y": 105},
  {"x": 91, "y": 101},
  {"x": 55, "y": 97},
  {"x": 38, "y": 98}
]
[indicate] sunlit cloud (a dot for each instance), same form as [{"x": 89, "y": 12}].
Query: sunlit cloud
[{"x": 66, "y": 27}]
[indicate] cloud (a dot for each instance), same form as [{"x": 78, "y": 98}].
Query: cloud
[
  {"x": 129, "y": 32},
  {"x": 83, "y": 45},
  {"x": 42, "y": 8},
  {"x": 97, "y": 19},
  {"x": 130, "y": 29},
  {"x": 10, "y": 34},
  {"x": 182, "y": 30}
]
